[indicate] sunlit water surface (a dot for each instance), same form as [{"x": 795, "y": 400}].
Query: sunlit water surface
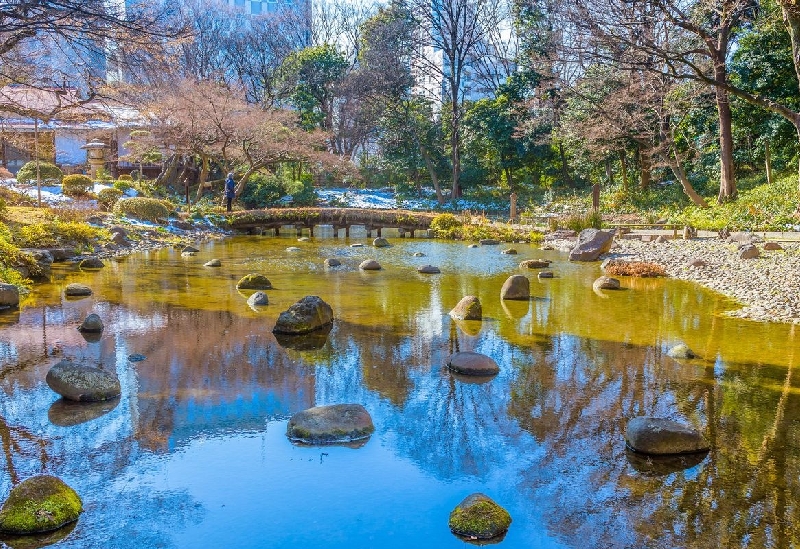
[{"x": 194, "y": 453}]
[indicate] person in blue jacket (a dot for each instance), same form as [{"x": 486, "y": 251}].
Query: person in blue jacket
[{"x": 230, "y": 190}]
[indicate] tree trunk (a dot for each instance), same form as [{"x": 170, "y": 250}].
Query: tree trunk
[
  {"x": 623, "y": 168},
  {"x": 609, "y": 172},
  {"x": 455, "y": 156},
  {"x": 201, "y": 183},
  {"x": 645, "y": 168},
  {"x": 564, "y": 167},
  {"x": 432, "y": 172},
  {"x": 680, "y": 173},
  {"x": 768, "y": 162},
  {"x": 727, "y": 177}
]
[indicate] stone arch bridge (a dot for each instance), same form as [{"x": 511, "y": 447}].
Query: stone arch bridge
[{"x": 254, "y": 221}]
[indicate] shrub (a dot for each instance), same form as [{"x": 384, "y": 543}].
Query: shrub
[
  {"x": 302, "y": 190},
  {"x": 578, "y": 222},
  {"x": 108, "y": 197},
  {"x": 148, "y": 209},
  {"x": 125, "y": 177},
  {"x": 446, "y": 225},
  {"x": 641, "y": 269},
  {"x": 123, "y": 184},
  {"x": 47, "y": 171},
  {"x": 3, "y": 208},
  {"x": 76, "y": 185},
  {"x": 58, "y": 233},
  {"x": 262, "y": 190}
]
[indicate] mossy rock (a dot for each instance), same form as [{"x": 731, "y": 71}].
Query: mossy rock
[
  {"x": 254, "y": 281},
  {"x": 307, "y": 315},
  {"x": 479, "y": 517},
  {"x": 39, "y": 504},
  {"x": 469, "y": 308},
  {"x": 333, "y": 424}
]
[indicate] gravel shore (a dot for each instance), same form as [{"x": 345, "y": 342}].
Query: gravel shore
[{"x": 768, "y": 287}]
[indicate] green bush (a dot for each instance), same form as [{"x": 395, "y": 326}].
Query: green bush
[
  {"x": 76, "y": 185},
  {"x": 261, "y": 191},
  {"x": 123, "y": 184},
  {"x": 588, "y": 220},
  {"x": 446, "y": 225},
  {"x": 302, "y": 190},
  {"x": 149, "y": 209},
  {"x": 47, "y": 171},
  {"x": 3, "y": 208},
  {"x": 58, "y": 233},
  {"x": 108, "y": 197}
]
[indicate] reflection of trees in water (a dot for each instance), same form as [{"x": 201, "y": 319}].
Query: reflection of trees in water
[{"x": 577, "y": 401}]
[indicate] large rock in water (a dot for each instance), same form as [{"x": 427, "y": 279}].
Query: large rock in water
[
  {"x": 82, "y": 383},
  {"x": 370, "y": 265},
  {"x": 75, "y": 289},
  {"x": 380, "y": 243},
  {"x": 309, "y": 314},
  {"x": 254, "y": 281},
  {"x": 658, "y": 436},
  {"x": 9, "y": 296},
  {"x": 479, "y": 517},
  {"x": 516, "y": 287},
  {"x": 591, "y": 243},
  {"x": 535, "y": 264},
  {"x": 606, "y": 283},
  {"x": 258, "y": 299},
  {"x": 92, "y": 324},
  {"x": 39, "y": 504},
  {"x": 332, "y": 424},
  {"x": 469, "y": 308},
  {"x": 92, "y": 263},
  {"x": 469, "y": 363}
]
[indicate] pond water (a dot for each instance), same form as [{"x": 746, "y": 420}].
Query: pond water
[{"x": 194, "y": 453}]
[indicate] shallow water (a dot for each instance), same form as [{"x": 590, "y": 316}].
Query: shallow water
[{"x": 194, "y": 453}]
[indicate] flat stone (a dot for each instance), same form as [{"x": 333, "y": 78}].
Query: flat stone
[
  {"x": 516, "y": 287},
  {"x": 307, "y": 315},
  {"x": 535, "y": 264},
  {"x": 469, "y": 308},
  {"x": 545, "y": 274},
  {"x": 428, "y": 269},
  {"x": 337, "y": 423},
  {"x": 469, "y": 363},
  {"x": 370, "y": 265},
  {"x": 82, "y": 383},
  {"x": 213, "y": 263},
  {"x": 658, "y": 436},
  {"x": 92, "y": 323},
  {"x": 479, "y": 517},
  {"x": 772, "y": 246},
  {"x": 39, "y": 504}
]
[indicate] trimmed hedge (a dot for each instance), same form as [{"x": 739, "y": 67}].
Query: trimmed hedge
[
  {"x": 148, "y": 209},
  {"x": 47, "y": 171},
  {"x": 108, "y": 197},
  {"x": 76, "y": 185}
]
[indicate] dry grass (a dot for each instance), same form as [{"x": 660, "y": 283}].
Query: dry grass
[{"x": 639, "y": 269}]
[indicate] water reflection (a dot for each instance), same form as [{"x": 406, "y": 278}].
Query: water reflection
[{"x": 194, "y": 452}]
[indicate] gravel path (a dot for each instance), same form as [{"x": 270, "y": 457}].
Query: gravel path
[{"x": 768, "y": 287}]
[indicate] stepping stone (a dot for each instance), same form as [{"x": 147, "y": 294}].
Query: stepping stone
[
  {"x": 337, "y": 423},
  {"x": 658, "y": 436},
  {"x": 469, "y": 363}
]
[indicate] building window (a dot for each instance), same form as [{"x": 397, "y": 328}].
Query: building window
[{"x": 255, "y": 7}]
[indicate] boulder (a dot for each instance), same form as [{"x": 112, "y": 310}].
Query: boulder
[
  {"x": 9, "y": 296},
  {"x": 332, "y": 262},
  {"x": 742, "y": 237},
  {"x": 591, "y": 244},
  {"x": 258, "y": 299},
  {"x": 370, "y": 265},
  {"x": 337, "y": 423},
  {"x": 535, "y": 264},
  {"x": 545, "y": 274},
  {"x": 92, "y": 263},
  {"x": 606, "y": 283},
  {"x": 190, "y": 249},
  {"x": 61, "y": 254},
  {"x": 516, "y": 287},
  {"x": 661, "y": 239},
  {"x": 82, "y": 383},
  {"x": 428, "y": 269},
  {"x": 658, "y": 436},
  {"x": 380, "y": 243},
  {"x": 479, "y": 517},
  {"x": 772, "y": 246},
  {"x": 254, "y": 281},
  {"x": 213, "y": 263},
  {"x": 469, "y": 363},
  {"x": 75, "y": 289},
  {"x": 39, "y": 504},
  {"x": 43, "y": 258},
  {"x": 509, "y": 251},
  {"x": 681, "y": 350},
  {"x": 307, "y": 315},
  {"x": 748, "y": 251},
  {"x": 469, "y": 308},
  {"x": 92, "y": 323},
  {"x": 489, "y": 242},
  {"x": 120, "y": 239}
]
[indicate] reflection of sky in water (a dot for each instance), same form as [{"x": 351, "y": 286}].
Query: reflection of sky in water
[{"x": 194, "y": 454}]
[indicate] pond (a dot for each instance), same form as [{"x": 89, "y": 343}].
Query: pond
[{"x": 194, "y": 452}]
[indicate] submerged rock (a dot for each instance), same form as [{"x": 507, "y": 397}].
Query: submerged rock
[
  {"x": 516, "y": 287},
  {"x": 337, "y": 423},
  {"x": 652, "y": 435},
  {"x": 681, "y": 350},
  {"x": 606, "y": 283},
  {"x": 309, "y": 314},
  {"x": 428, "y": 269},
  {"x": 332, "y": 262},
  {"x": 545, "y": 274},
  {"x": 479, "y": 517},
  {"x": 509, "y": 251},
  {"x": 469, "y": 363},
  {"x": 39, "y": 504},
  {"x": 74, "y": 289},
  {"x": 82, "y": 383},
  {"x": 254, "y": 281},
  {"x": 469, "y": 308},
  {"x": 213, "y": 263}
]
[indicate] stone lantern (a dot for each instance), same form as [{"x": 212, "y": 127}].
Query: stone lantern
[{"x": 95, "y": 154}]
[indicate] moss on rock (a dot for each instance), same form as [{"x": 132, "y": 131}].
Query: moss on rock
[
  {"x": 254, "y": 281},
  {"x": 39, "y": 504},
  {"x": 478, "y": 516}
]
